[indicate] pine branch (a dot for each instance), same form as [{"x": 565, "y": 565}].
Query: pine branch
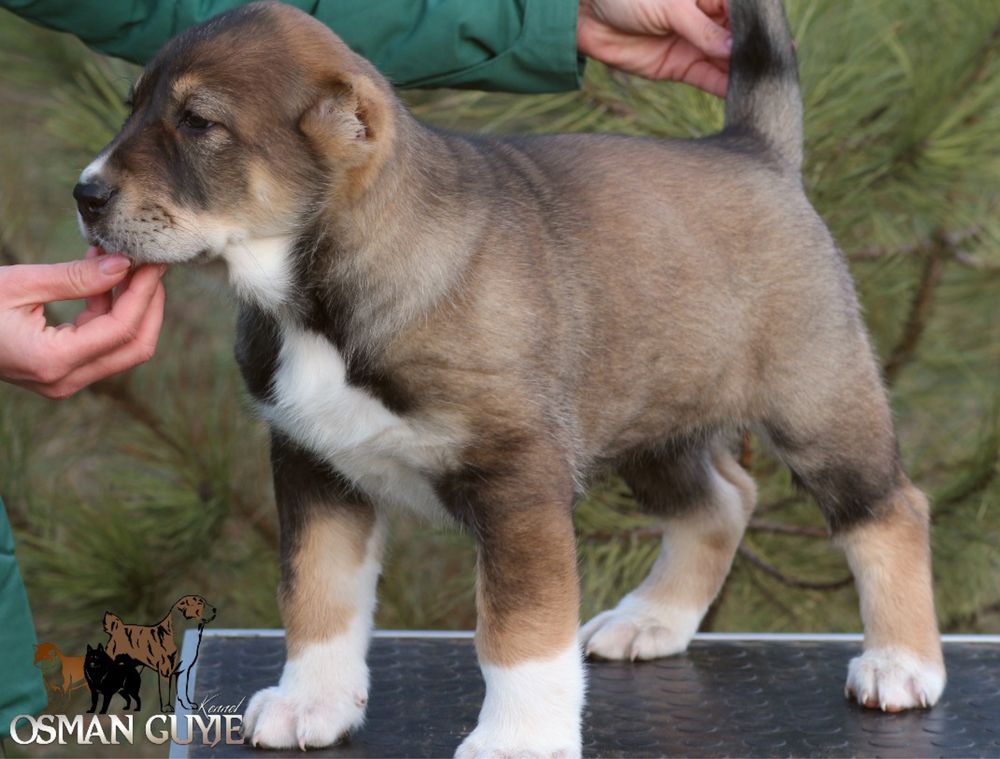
[
  {"x": 777, "y": 505},
  {"x": 976, "y": 476},
  {"x": 971, "y": 619},
  {"x": 970, "y": 261},
  {"x": 976, "y": 484},
  {"x": 600, "y": 98},
  {"x": 794, "y": 582},
  {"x": 118, "y": 390},
  {"x": 954, "y": 238},
  {"x": 770, "y": 596},
  {"x": 920, "y": 309},
  {"x": 782, "y": 528},
  {"x": 955, "y": 95},
  {"x": 630, "y": 536},
  {"x": 985, "y": 54},
  {"x": 656, "y": 533}
]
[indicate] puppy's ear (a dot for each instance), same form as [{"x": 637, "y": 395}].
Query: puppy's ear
[
  {"x": 349, "y": 119},
  {"x": 100, "y": 647},
  {"x": 89, "y": 649}
]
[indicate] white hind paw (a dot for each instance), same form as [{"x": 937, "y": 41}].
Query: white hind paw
[
  {"x": 894, "y": 679},
  {"x": 638, "y": 629}
]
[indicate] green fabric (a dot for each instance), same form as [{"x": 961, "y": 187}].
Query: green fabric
[
  {"x": 512, "y": 45},
  {"x": 22, "y": 690}
]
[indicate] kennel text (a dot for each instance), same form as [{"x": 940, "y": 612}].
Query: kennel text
[{"x": 62, "y": 730}]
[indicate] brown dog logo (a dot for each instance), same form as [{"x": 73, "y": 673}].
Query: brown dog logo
[
  {"x": 154, "y": 646},
  {"x": 62, "y": 674}
]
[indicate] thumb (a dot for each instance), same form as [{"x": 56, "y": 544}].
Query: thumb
[
  {"x": 700, "y": 30},
  {"x": 43, "y": 283}
]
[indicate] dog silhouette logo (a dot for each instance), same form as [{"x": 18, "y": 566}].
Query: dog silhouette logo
[
  {"x": 154, "y": 646},
  {"x": 107, "y": 676},
  {"x": 116, "y": 665},
  {"x": 62, "y": 674}
]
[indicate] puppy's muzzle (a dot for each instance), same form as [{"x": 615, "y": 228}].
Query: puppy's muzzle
[{"x": 93, "y": 199}]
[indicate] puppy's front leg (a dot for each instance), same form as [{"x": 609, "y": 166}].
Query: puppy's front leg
[
  {"x": 528, "y": 601},
  {"x": 331, "y": 544}
]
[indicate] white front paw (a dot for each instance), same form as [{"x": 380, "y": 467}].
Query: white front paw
[
  {"x": 530, "y": 710},
  {"x": 276, "y": 719},
  {"x": 639, "y": 629},
  {"x": 894, "y": 679},
  {"x": 497, "y": 742},
  {"x": 321, "y": 697}
]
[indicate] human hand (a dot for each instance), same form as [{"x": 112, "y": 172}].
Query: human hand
[
  {"x": 682, "y": 40},
  {"x": 114, "y": 332}
]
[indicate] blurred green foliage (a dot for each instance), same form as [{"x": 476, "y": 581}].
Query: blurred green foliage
[{"x": 156, "y": 484}]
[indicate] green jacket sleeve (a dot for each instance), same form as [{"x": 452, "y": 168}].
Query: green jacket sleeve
[
  {"x": 512, "y": 45},
  {"x": 22, "y": 690}
]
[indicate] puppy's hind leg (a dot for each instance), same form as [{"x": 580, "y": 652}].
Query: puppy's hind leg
[
  {"x": 331, "y": 545},
  {"x": 706, "y": 500},
  {"x": 835, "y": 432}
]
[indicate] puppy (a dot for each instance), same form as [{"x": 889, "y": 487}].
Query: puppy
[{"x": 469, "y": 328}]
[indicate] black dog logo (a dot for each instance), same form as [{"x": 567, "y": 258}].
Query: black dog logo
[{"x": 107, "y": 676}]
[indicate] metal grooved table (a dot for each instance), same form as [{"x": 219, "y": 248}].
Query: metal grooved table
[{"x": 730, "y": 695}]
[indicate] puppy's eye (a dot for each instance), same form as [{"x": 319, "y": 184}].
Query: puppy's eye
[{"x": 195, "y": 123}]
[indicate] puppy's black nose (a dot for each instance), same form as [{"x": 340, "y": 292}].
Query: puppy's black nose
[{"x": 92, "y": 199}]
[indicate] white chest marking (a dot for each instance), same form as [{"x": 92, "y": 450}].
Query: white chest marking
[
  {"x": 259, "y": 269},
  {"x": 388, "y": 457}
]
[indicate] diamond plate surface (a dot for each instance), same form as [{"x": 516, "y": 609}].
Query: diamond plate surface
[{"x": 722, "y": 698}]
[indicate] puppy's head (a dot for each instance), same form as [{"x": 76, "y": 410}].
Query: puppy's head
[{"x": 241, "y": 129}]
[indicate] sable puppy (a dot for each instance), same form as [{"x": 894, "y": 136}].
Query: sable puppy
[{"x": 471, "y": 327}]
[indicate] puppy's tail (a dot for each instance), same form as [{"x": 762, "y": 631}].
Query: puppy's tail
[{"x": 763, "y": 101}]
